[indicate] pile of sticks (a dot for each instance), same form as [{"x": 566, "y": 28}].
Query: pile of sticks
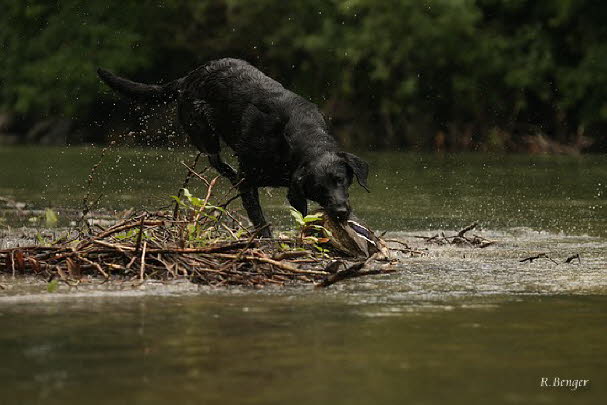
[
  {"x": 201, "y": 241},
  {"x": 197, "y": 240},
  {"x": 157, "y": 250}
]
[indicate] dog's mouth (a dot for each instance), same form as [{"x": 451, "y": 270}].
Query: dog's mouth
[{"x": 341, "y": 214}]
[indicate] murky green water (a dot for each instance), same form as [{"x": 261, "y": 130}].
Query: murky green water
[{"x": 457, "y": 326}]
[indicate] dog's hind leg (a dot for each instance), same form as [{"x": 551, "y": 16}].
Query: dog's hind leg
[{"x": 206, "y": 140}]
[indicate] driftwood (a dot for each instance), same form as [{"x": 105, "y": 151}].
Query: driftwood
[
  {"x": 157, "y": 251},
  {"x": 569, "y": 260},
  {"x": 459, "y": 239},
  {"x": 538, "y": 256}
]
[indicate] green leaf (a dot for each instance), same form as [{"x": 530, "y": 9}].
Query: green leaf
[
  {"x": 211, "y": 217},
  {"x": 51, "y": 217},
  {"x": 127, "y": 234},
  {"x": 196, "y": 202},
  {"x": 298, "y": 217},
  {"x": 313, "y": 218},
  {"x": 213, "y": 207},
  {"x": 322, "y": 229},
  {"x": 181, "y": 203},
  {"x": 311, "y": 239},
  {"x": 40, "y": 239},
  {"x": 192, "y": 232},
  {"x": 52, "y": 286},
  {"x": 321, "y": 249}
]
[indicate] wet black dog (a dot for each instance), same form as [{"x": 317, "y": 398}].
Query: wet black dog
[{"x": 280, "y": 139}]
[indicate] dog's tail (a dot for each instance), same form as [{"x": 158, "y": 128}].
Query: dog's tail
[{"x": 140, "y": 91}]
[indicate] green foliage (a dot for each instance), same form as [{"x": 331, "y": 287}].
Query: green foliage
[
  {"x": 198, "y": 205},
  {"x": 51, "y": 50},
  {"x": 310, "y": 232},
  {"x": 197, "y": 208},
  {"x": 50, "y": 217},
  {"x": 305, "y": 221},
  {"x": 388, "y": 73},
  {"x": 40, "y": 240},
  {"x": 128, "y": 235},
  {"x": 52, "y": 286}
]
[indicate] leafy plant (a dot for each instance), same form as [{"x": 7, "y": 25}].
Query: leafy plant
[
  {"x": 128, "y": 235},
  {"x": 199, "y": 211},
  {"x": 309, "y": 231}
]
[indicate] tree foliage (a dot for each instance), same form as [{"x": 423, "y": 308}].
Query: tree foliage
[{"x": 390, "y": 73}]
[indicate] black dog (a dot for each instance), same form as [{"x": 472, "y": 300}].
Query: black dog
[{"x": 280, "y": 139}]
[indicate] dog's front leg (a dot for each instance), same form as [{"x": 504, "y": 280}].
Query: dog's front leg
[
  {"x": 223, "y": 168},
  {"x": 298, "y": 201},
  {"x": 250, "y": 201}
]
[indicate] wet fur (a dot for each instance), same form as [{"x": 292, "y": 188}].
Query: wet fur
[{"x": 279, "y": 138}]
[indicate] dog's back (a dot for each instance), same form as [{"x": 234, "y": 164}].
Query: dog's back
[
  {"x": 238, "y": 100},
  {"x": 231, "y": 98},
  {"x": 227, "y": 80}
]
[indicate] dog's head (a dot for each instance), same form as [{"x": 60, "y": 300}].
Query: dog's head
[{"x": 327, "y": 178}]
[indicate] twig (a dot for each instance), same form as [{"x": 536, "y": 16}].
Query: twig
[
  {"x": 186, "y": 181},
  {"x": 205, "y": 181},
  {"x": 96, "y": 265},
  {"x": 572, "y": 258},
  {"x": 233, "y": 198},
  {"x": 466, "y": 229},
  {"x": 209, "y": 249},
  {"x": 538, "y": 256},
  {"x": 342, "y": 275},
  {"x": 398, "y": 241},
  {"x": 142, "y": 268},
  {"x": 140, "y": 234},
  {"x": 206, "y": 199},
  {"x": 231, "y": 232},
  {"x": 251, "y": 239},
  {"x": 459, "y": 239},
  {"x": 276, "y": 263}
]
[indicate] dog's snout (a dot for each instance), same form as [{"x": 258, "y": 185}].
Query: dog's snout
[{"x": 341, "y": 212}]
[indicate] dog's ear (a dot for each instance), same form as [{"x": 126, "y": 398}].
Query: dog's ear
[{"x": 359, "y": 167}]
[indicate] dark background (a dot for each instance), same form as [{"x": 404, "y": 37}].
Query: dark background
[{"x": 486, "y": 75}]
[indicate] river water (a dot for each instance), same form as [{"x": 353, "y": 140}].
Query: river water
[{"x": 454, "y": 326}]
